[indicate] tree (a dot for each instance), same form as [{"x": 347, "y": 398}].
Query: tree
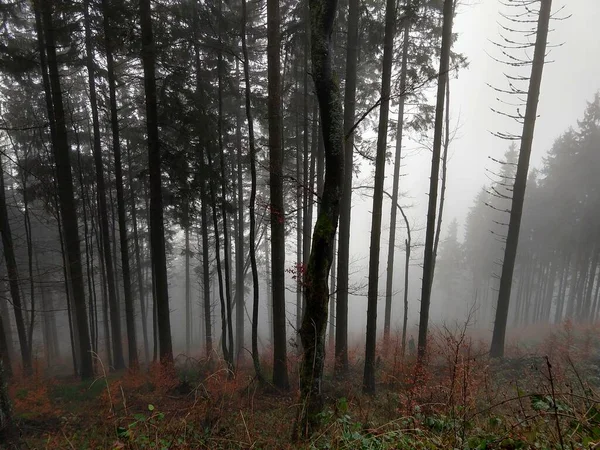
[
  {"x": 341, "y": 311},
  {"x": 123, "y": 238},
  {"x": 314, "y": 321},
  {"x": 6, "y": 419},
  {"x": 64, "y": 178},
  {"x": 157, "y": 235},
  {"x": 516, "y": 211},
  {"x": 13, "y": 275},
  {"x": 434, "y": 177},
  {"x": 280, "y": 375},
  {"x": 389, "y": 285},
  {"x": 115, "y": 319},
  {"x": 373, "y": 290},
  {"x": 252, "y": 207}
]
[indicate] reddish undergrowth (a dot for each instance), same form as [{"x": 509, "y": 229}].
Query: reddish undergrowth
[{"x": 455, "y": 393}]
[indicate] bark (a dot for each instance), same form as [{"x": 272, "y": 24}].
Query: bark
[
  {"x": 252, "y": 206},
  {"x": 341, "y": 310},
  {"x": 433, "y": 184},
  {"x": 5, "y": 337},
  {"x": 512, "y": 239},
  {"x": 13, "y": 276},
  {"x": 389, "y": 285},
  {"x": 123, "y": 237},
  {"x": 105, "y": 320},
  {"x": 188, "y": 298},
  {"x": 6, "y": 416},
  {"x": 332, "y": 296},
  {"x": 86, "y": 238},
  {"x": 224, "y": 215},
  {"x": 157, "y": 234},
  {"x": 138, "y": 259},
  {"x": 280, "y": 374},
  {"x": 444, "y": 176},
  {"x": 29, "y": 242},
  {"x": 67, "y": 288},
  {"x": 206, "y": 273},
  {"x": 299, "y": 220},
  {"x": 115, "y": 322},
  {"x": 267, "y": 250},
  {"x": 373, "y": 289},
  {"x": 224, "y": 338},
  {"x": 314, "y": 322},
  {"x": 239, "y": 251},
  {"x": 307, "y": 181},
  {"x": 239, "y": 243}
]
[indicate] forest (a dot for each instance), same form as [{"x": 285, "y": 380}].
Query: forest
[{"x": 315, "y": 224}]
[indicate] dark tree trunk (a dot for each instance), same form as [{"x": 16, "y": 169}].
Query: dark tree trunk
[
  {"x": 252, "y": 206},
  {"x": 88, "y": 250},
  {"x": 138, "y": 260},
  {"x": 389, "y": 284},
  {"x": 444, "y": 175},
  {"x": 188, "y": 297},
  {"x": 115, "y": 320},
  {"x": 6, "y": 416},
  {"x": 373, "y": 290},
  {"x": 341, "y": 312},
  {"x": 5, "y": 337},
  {"x": 280, "y": 374},
  {"x": 299, "y": 219},
  {"x": 123, "y": 238},
  {"x": 433, "y": 182},
  {"x": 307, "y": 181},
  {"x": 512, "y": 239},
  {"x": 206, "y": 272},
  {"x": 267, "y": 250},
  {"x": 13, "y": 276},
  {"x": 314, "y": 322},
  {"x": 239, "y": 243},
  {"x": 157, "y": 232},
  {"x": 224, "y": 216},
  {"x": 105, "y": 320},
  {"x": 332, "y": 296},
  {"x": 68, "y": 294}
]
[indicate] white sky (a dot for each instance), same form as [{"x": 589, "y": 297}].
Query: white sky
[{"x": 568, "y": 82}]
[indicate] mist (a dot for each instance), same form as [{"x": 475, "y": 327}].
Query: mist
[{"x": 340, "y": 216}]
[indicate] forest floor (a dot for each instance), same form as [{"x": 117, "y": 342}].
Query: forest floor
[{"x": 542, "y": 395}]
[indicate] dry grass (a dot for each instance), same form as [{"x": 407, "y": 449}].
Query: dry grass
[{"x": 542, "y": 395}]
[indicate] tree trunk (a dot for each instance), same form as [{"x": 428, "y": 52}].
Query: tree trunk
[
  {"x": 252, "y": 206},
  {"x": 115, "y": 321},
  {"x": 512, "y": 239},
  {"x": 373, "y": 289},
  {"x": 224, "y": 338},
  {"x": 307, "y": 181},
  {"x": 157, "y": 233},
  {"x": 332, "y": 297},
  {"x": 5, "y": 336},
  {"x": 6, "y": 350},
  {"x": 123, "y": 238},
  {"x": 188, "y": 298},
  {"x": 6, "y": 417},
  {"x": 314, "y": 322},
  {"x": 13, "y": 276},
  {"x": 138, "y": 260},
  {"x": 226, "y": 231},
  {"x": 299, "y": 220},
  {"x": 341, "y": 310},
  {"x": 280, "y": 374},
  {"x": 433, "y": 183},
  {"x": 239, "y": 243},
  {"x": 389, "y": 285}
]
